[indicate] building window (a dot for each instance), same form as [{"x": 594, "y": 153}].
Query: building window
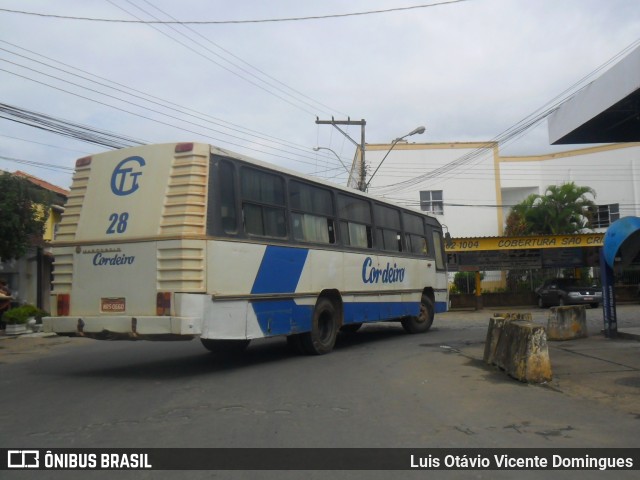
[
  {"x": 604, "y": 215},
  {"x": 431, "y": 201}
]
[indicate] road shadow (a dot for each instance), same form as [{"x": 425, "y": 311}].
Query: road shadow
[{"x": 173, "y": 361}]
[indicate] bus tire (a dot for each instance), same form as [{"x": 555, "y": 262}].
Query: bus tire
[
  {"x": 225, "y": 346},
  {"x": 324, "y": 329},
  {"x": 423, "y": 321}
]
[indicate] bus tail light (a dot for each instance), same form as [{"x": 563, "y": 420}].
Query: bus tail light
[
  {"x": 184, "y": 147},
  {"x": 163, "y": 303},
  {"x": 64, "y": 302}
]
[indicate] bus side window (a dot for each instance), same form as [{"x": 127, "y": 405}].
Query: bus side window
[
  {"x": 355, "y": 225},
  {"x": 437, "y": 246},
  {"x": 415, "y": 234},
  {"x": 227, "y": 187},
  {"x": 417, "y": 244},
  {"x": 388, "y": 230},
  {"x": 312, "y": 212},
  {"x": 263, "y": 203}
]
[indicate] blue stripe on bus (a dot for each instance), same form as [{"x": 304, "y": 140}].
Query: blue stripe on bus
[
  {"x": 441, "y": 307},
  {"x": 280, "y": 270},
  {"x": 285, "y": 317},
  {"x": 282, "y": 317}
]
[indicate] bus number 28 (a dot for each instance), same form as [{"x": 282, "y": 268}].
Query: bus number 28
[{"x": 118, "y": 223}]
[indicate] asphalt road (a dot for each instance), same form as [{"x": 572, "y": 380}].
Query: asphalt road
[{"x": 378, "y": 388}]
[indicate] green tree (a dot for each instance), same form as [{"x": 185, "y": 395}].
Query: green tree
[
  {"x": 563, "y": 209},
  {"x": 24, "y": 209}
]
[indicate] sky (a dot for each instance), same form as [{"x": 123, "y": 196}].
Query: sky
[{"x": 467, "y": 70}]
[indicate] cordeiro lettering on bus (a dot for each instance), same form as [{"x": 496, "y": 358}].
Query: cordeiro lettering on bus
[
  {"x": 124, "y": 181},
  {"x": 371, "y": 274},
  {"x": 121, "y": 259}
]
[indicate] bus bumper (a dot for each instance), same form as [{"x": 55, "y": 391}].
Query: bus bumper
[{"x": 125, "y": 328}]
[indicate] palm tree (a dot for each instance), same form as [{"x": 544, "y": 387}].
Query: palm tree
[
  {"x": 563, "y": 209},
  {"x": 567, "y": 208}
]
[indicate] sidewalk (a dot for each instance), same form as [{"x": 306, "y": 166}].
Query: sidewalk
[
  {"x": 629, "y": 333},
  {"x": 15, "y": 348},
  {"x": 598, "y": 368}
]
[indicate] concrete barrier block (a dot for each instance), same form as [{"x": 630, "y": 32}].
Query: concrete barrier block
[
  {"x": 529, "y": 355},
  {"x": 567, "y": 323},
  {"x": 496, "y": 323},
  {"x": 520, "y": 349},
  {"x": 515, "y": 316}
]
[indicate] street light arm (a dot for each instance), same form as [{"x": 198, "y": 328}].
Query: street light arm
[
  {"x": 315, "y": 149},
  {"x": 419, "y": 130},
  {"x": 380, "y": 164}
]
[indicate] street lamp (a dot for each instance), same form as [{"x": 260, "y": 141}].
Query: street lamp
[
  {"x": 337, "y": 156},
  {"x": 417, "y": 131}
]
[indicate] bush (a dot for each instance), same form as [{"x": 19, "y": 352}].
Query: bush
[
  {"x": 20, "y": 315},
  {"x": 465, "y": 282}
]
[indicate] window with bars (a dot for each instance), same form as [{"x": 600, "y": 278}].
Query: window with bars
[
  {"x": 431, "y": 201},
  {"x": 604, "y": 215}
]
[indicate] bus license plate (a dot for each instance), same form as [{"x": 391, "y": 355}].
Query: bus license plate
[{"x": 109, "y": 305}]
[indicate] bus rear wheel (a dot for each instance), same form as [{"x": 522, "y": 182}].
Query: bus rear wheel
[
  {"x": 423, "y": 321},
  {"x": 225, "y": 346},
  {"x": 324, "y": 329}
]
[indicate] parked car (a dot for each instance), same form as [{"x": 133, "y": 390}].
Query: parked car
[{"x": 567, "y": 291}]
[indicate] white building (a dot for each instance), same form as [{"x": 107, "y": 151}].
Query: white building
[{"x": 470, "y": 186}]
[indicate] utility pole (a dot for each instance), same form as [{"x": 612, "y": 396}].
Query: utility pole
[{"x": 362, "y": 184}]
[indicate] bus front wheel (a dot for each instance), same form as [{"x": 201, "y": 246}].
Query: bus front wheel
[
  {"x": 423, "y": 321},
  {"x": 324, "y": 329}
]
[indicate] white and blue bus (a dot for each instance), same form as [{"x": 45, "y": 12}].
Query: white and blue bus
[{"x": 177, "y": 241}]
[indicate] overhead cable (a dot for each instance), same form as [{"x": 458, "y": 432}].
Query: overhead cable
[{"x": 227, "y": 22}]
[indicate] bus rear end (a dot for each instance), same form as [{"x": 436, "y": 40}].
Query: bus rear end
[{"x": 130, "y": 252}]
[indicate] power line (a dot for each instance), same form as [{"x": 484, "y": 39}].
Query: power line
[
  {"x": 227, "y": 22},
  {"x": 173, "y": 117},
  {"x": 44, "y": 144},
  {"x": 310, "y": 112},
  {"x": 286, "y": 89},
  {"x": 154, "y": 99},
  {"x": 66, "y": 128},
  {"x": 73, "y": 130},
  {"x": 511, "y": 134},
  {"x": 301, "y": 152},
  {"x": 45, "y": 166}
]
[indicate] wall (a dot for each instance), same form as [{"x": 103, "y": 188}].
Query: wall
[
  {"x": 469, "y": 193},
  {"x": 613, "y": 171},
  {"x": 472, "y": 192}
]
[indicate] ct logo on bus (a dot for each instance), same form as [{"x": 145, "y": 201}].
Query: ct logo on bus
[{"x": 124, "y": 179}]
